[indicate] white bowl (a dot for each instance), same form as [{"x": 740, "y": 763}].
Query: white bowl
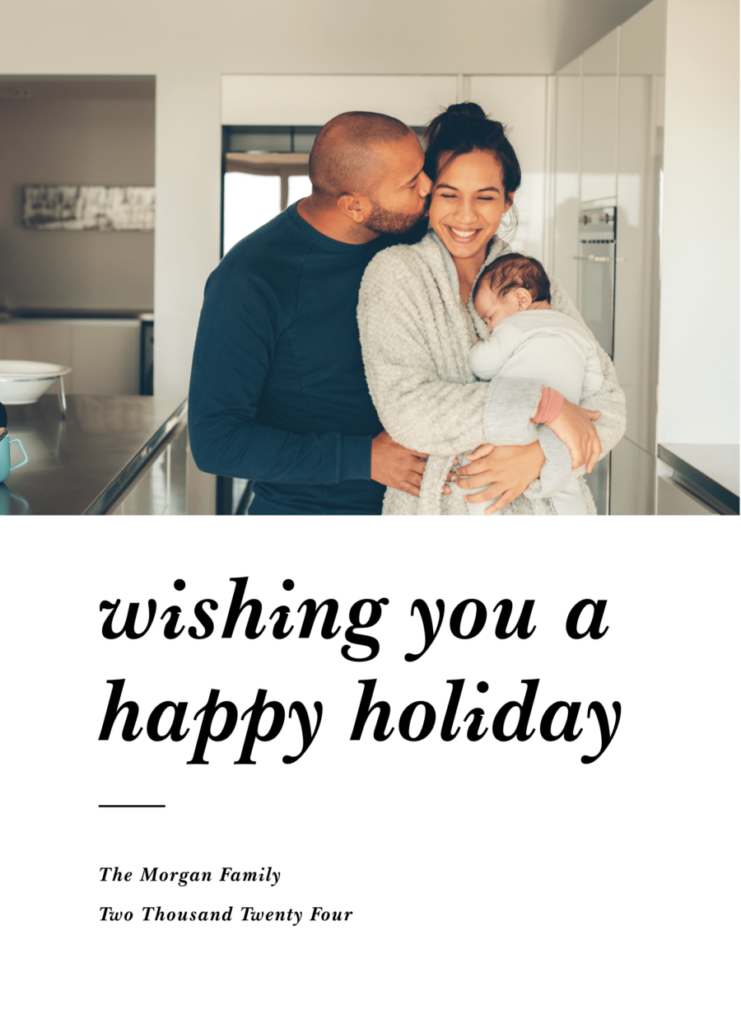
[{"x": 23, "y": 381}]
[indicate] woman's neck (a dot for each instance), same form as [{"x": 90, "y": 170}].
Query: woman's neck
[{"x": 468, "y": 270}]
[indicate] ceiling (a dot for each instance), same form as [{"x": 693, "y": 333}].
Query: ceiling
[{"x": 506, "y": 37}]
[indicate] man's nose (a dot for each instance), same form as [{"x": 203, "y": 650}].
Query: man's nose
[{"x": 425, "y": 185}]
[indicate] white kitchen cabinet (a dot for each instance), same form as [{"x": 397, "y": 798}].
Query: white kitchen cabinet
[
  {"x": 566, "y": 187},
  {"x": 639, "y": 169},
  {"x": 632, "y": 481},
  {"x": 650, "y": 90},
  {"x": 599, "y": 119},
  {"x": 315, "y": 99},
  {"x": 617, "y": 156},
  {"x": 103, "y": 354}
]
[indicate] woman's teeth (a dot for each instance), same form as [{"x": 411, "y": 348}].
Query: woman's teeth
[{"x": 462, "y": 236}]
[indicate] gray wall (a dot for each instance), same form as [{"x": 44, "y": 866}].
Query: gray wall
[{"x": 75, "y": 134}]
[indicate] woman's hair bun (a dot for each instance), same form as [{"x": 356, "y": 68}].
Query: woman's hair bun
[
  {"x": 465, "y": 128},
  {"x": 466, "y": 109}
]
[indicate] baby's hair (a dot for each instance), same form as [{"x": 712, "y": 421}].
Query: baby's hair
[{"x": 513, "y": 270}]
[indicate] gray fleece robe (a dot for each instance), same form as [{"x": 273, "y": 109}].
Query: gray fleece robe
[{"x": 416, "y": 335}]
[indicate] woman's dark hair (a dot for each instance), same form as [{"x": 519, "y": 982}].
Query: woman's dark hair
[{"x": 463, "y": 128}]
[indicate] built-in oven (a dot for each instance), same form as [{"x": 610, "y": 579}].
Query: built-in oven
[{"x": 597, "y": 256}]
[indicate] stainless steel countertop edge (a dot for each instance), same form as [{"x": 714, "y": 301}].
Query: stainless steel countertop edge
[
  {"x": 119, "y": 484},
  {"x": 701, "y": 485}
]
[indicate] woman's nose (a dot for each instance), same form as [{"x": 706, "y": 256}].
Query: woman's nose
[{"x": 466, "y": 213}]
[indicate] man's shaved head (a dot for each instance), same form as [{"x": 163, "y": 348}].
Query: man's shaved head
[{"x": 345, "y": 159}]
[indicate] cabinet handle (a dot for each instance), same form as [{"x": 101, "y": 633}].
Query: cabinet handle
[{"x": 600, "y": 259}]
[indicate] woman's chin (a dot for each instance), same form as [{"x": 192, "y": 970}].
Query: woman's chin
[{"x": 465, "y": 252}]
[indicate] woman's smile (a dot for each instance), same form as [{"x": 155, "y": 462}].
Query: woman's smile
[{"x": 463, "y": 236}]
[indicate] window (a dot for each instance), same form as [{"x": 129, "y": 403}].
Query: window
[{"x": 266, "y": 169}]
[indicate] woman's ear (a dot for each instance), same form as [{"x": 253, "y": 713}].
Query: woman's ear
[
  {"x": 508, "y": 202},
  {"x": 354, "y": 206}
]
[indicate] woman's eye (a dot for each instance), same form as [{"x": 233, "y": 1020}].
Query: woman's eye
[{"x": 447, "y": 195}]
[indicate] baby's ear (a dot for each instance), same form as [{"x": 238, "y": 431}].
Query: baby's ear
[{"x": 524, "y": 298}]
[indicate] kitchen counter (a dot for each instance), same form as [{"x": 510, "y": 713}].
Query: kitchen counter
[
  {"x": 708, "y": 471},
  {"x": 89, "y": 462}
]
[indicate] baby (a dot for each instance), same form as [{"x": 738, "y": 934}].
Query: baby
[{"x": 529, "y": 339}]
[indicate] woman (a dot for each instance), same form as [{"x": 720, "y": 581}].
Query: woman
[{"x": 417, "y": 325}]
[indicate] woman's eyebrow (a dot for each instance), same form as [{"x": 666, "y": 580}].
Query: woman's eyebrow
[{"x": 489, "y": 188}]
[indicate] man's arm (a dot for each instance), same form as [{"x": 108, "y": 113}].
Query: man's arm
[{"x": 232, "y": 357}]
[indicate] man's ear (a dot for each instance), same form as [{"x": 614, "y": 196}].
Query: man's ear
[
  {"x": 524, "y": 298},
  {"x": 355, "y": 206}
]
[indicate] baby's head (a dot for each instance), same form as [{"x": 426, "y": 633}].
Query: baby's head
[{"x": 511, "y": 284}]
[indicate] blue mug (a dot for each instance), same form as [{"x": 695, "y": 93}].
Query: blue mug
[{"x": 5, "y": 466}]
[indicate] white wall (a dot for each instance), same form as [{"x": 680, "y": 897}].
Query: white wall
[
  {"x": 65, "y": 135},
  {"x": 698, "y": 362},
  {"x": 189, "y": 44}
]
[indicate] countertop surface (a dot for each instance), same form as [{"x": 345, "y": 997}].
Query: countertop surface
[
  {"x": 713, "y": 467},
  {"x": 80, "y": 465}
]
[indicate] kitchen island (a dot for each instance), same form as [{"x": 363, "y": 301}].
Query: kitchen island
[
  {"x": 111, "y": 455},
  {"x": 698, "y": 479}
]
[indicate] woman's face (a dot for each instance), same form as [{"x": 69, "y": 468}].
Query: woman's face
[{"x": 468, "y": 203}]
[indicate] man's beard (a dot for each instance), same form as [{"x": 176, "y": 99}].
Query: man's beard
[{"x": 386, "y": 222}]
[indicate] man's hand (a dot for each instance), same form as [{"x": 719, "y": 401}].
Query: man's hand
[
  {"x": 506, "y": 471},
  {"x": 396, "y": 466},
  {"x": 575, "y": 428}
]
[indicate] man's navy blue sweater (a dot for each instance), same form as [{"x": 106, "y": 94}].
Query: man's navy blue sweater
[{"x": 278, "y": 392}]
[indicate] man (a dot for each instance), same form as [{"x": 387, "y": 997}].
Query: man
[{"x": 278, "y": 392}]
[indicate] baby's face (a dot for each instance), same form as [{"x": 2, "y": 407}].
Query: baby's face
[{"x": 493, "y": 307}]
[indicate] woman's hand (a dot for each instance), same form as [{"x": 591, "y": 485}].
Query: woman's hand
[
  {"x": 505, "y": 471},
  {"x": 574, "y": 426}
]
